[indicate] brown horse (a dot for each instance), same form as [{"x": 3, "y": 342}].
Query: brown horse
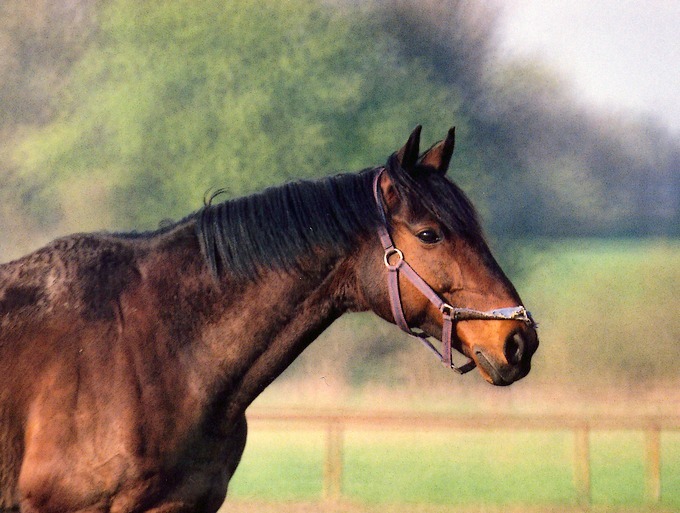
[{"x": 127, "y": 361}]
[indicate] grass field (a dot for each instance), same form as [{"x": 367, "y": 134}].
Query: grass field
[
  {"x": 606, "y": 309},
  {"x": 497, "y": 468}
]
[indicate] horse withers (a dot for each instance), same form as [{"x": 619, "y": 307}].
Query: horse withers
[{"x": 127, "y": 361}]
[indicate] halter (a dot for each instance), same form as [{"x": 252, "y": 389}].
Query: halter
[{"x": 450, "y": 314}]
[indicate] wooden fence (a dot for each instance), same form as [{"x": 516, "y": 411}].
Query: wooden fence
[{"x": 334, "y": 423}]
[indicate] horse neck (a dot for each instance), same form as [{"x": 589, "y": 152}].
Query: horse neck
[{"x": 250, "y": 331}]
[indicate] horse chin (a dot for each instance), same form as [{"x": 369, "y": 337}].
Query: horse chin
[{"x": 493, "y": 373}]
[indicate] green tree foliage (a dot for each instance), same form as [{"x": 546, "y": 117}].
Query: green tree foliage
[
  {"x": 39, "y": 42},
  {"x": 173, "y": 99},
  {"x": 137, "y": 119}
]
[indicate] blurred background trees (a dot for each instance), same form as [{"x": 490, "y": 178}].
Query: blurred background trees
[{"x": 119, "y": 114}]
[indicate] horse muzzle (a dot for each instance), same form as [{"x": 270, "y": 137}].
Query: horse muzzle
[{"x": 515, "y": 363}]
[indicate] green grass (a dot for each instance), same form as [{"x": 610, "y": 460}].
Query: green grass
[
  {"x": 284, "y": 465},
  {"x": 457, "y": 468},
  {"x": 617, "y": 468},
  {"x": 605, "y": 309},
  {"x": 445, "y": 468},
  {"x": 670, "y": 467}
]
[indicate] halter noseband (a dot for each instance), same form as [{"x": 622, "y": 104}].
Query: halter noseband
[{"x": 450, "y": 314}]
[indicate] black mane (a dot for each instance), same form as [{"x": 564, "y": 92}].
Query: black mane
[{"x": 277, "y": 226}]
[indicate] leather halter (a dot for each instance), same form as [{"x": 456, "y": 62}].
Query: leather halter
[{"x": 450, "y": 314}]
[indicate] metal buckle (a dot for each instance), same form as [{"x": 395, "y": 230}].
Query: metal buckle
[
  {"x": 447, "y": 309},
  {"x": 389, "y": 252}
]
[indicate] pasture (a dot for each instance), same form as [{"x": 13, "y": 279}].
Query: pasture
[{"x": 461, "y": 468}]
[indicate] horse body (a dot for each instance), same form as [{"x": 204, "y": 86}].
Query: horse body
[
  {"x": 136, "y": 358},
  {"x": 127, "y": 361}
]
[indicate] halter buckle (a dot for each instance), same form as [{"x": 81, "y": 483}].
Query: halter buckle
[
  {"x": 447, "y": 309},
  {"x": 389, "y": 252}
]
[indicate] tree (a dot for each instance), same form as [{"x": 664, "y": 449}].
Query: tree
[
  {"x": 39, "y": 42},
  {"x": 175, "y": 99}
]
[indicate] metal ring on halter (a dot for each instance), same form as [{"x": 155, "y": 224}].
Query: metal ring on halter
[
  {"x": 447, "y": 309},
  {"x": 388, "y": 253}
]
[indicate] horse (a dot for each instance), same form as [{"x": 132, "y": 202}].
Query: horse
[{"x": 127, "y": 360}]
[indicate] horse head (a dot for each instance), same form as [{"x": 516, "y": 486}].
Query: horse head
[{"x": 442, "y": 278}]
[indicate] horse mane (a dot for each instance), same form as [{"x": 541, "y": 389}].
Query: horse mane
[{"x": 276, "y": 227}]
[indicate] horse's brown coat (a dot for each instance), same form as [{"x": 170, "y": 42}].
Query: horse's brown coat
[{"x": 126, "y": 368}]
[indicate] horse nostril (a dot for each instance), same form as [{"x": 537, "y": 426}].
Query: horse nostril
[{"x": 514, "y": 348}]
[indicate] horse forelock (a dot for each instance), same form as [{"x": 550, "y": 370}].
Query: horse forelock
[{"x": 429, "y": 192}]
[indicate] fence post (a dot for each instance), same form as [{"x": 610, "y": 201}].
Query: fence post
[
  {"x": 332, "y": 471},
  {"x": 582, "y": 464},
  {"x": 653, "y": 463}
]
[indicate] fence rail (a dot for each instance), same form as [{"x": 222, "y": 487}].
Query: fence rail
[{"x": 334, "y": 423}]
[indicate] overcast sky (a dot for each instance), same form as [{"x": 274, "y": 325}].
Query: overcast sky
[{"x": 623, "y": 54}]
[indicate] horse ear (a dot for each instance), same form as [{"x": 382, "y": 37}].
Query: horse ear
[
  {"x": 408, "y": 155},
  {"x": 389, "y": 193},
  {"x": 439, "y": 156}
]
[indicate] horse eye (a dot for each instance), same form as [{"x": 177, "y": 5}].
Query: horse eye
[{"x": 429, "y": 236}]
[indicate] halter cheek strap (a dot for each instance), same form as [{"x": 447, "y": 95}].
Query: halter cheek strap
[{"x": 396, "y": 265}]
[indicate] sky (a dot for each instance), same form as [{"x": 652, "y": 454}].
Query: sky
[{"x": 618, "y": 54}]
